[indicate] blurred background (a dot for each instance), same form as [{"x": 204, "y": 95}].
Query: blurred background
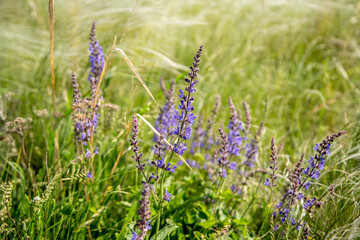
[{"x": 296, "y": 63}]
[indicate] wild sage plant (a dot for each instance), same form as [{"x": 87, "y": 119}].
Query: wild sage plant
[
  {"x": 144, "y": 212},
  {"x": 300, "y": 181},
  {"x": 85, "y": 110},
  {"x": 171, "y": 122}
]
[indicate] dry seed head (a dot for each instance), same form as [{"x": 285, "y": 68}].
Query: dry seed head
[
  {"x": 18, "y": 125},
  {"x": 41, "y": 113},
  {"x": 234, "y": 114},
  {"x": 259, "y": 131},
  {"x": 112, "y": 107}
]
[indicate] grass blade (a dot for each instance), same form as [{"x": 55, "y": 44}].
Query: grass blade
[{"x": 127, "y": 60}]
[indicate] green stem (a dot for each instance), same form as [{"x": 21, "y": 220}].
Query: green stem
[
  {"x": 136, "y": 179},
  {"x": 164, "y": 172},
  {"x": 267, "y": 211},
  {"x": 252, "y": 200},
  {"x": 220, "y": 188},
  {"x": 163, "y": 175},
  {"x": 158, "y": 223}
]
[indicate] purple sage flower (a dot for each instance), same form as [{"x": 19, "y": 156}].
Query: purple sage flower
[
  {"x": 88, "y": 154},
  {"x": 235, "y": 126},
  {"x": 166, "y": 121},
  {"x": 134, "y": 236},
  {"x": 180, "y": 148},
  {"x": 96, "y": 59},
  {"x": 167, "y": 196},
  {"x": 267, "y": 182},
  {"x": 185, "y": 117},
  {"x": 135, "y": 147}
]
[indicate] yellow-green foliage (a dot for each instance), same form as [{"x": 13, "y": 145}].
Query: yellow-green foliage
[{"x": 6, "y": 189}]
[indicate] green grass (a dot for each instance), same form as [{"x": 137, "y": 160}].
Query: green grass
[{"x": 296, "y": 63}]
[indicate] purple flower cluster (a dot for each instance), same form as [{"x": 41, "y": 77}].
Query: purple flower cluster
[
  {"x": 77, "y": 94},
  {"x": 96, "y": 59},
  {"x": 180, "y": 148},
  {"x": 198, "y": 136},
  {"x": 236, "y": 127},
  {"x": 82, "y": 114},
  {"x": 238, "y": 135},
  {"x": 88, "y": 153},
  {"x": 204, "y": 138},
  {"x": 309, "y": 203},
  {"x": 251, "y": 154},
  {"x": 86, "y": 127},
  {"x": 184, "y": 116},
  {"x": 208, "y": 139},
  {"x": 160, "y": 163},
  {"x": 159, "y": 152},
  {"x": 286, "y": 205},
  {"x": 85, "y": 116},
  {"x": 166, "y": 122},
  {"x": 317, "y": 163},
  {"x": 235, "y": 147},
  {"x": 134, "y": 145},
  {"x": 144, "y": 211},
  {"x": 310, "y": 173},
  {"x": 179, "y": 121},
  {"x": 235, "y": 189},
  {"x": 224, "y": 155},
  {"x": 167, "y": 196},
  {"x": 273, "y": 165}
]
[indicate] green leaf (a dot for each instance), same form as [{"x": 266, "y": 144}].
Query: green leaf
[
  {"x": 17, "y": 169},
  {"x": 199, "y": 236},
  {"x": 203, "y": 212},
  {"x": 240, "y": 222},
  {"x": 180, "y": 235},
  {"x": 189, "y": 217},
  {"x": 66, "y": 210},
  {"x": 207, "y": 224},
  {"x": 104, "y": 237},
  {"x": 127, "y": 220},
  {"x": 169, "y": 228},
  {"x": 127, "y": 234}
]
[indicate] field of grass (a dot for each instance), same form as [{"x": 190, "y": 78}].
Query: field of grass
[{"x": 295, "y": 63}]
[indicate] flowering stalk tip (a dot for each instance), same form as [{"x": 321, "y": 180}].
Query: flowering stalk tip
[
  {"x": 144, "y": 211},
  {"x": 185, "y": 117}
]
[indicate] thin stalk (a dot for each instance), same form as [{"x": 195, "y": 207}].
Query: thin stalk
[
  {"x": 162, "y": 192},
  {"x": 51, "y": 31},
  {"x": 17, "y": 231},
  {"x": 220, "y": 188},
  {"x": 267, "y": 211},
  {"x": 23, "y": 149},
  {"x": 307, "y": 213},
  {"x": 44, "y": 135},
  {"x": 136, "y": 179},
  {"x": 252, "y": 200}
]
